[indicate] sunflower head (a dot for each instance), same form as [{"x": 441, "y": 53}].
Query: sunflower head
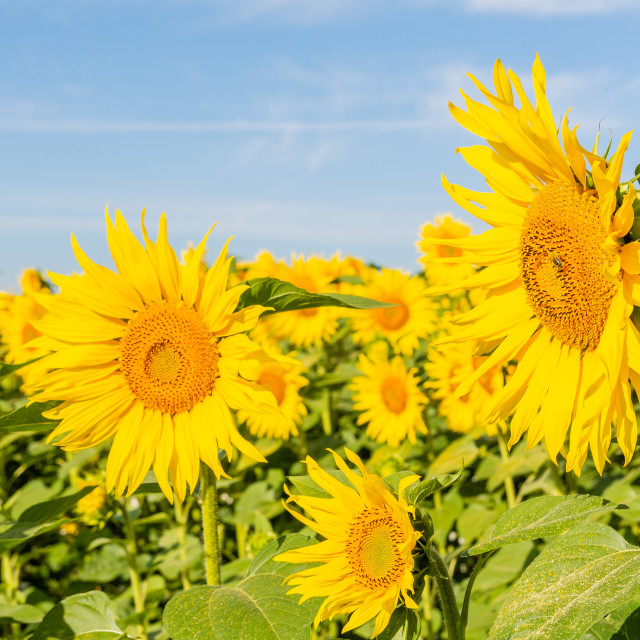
[
  {"x": 559, "y": 280},
  {"x": 366, "y": 560},
  {"x": 155, "y": 355}
]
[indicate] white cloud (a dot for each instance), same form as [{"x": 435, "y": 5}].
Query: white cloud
[{"x": 551, "y": 7}]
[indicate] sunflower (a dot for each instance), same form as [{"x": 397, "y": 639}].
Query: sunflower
[
  {"x": 437, "y": 268},
  {"x": 154, "y": 356},
  {"x": 284, "y": 378},
  {"x": 560, "y": 285},
  {"x": 366, "y": 559},
  {"x": 387, "y": 393},
  {"x": 412, "y": 317},
  {"x": 449, "y": 367},
  {"x": 18, "y": 313},
  {"x": 306, "y": 327}
]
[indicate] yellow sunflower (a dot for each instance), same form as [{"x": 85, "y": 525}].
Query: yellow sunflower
[
  {"x": 437, "y": 268},
  {"x": 306, "y": 327},
  {"x": 284, "y": 378},
  {"x": 450, "y": 366},
  {"x": 17, "y": 331},
  {"x": 413, "y": 316},
  {"x": 560, "y": 285},
  {"x": 387, "y": 393},
  {"x": 366, "y": 559},
  {"x": 154, "y": 356}
]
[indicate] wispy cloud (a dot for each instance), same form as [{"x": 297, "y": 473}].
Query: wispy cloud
[
  {"x": 24, "y": 125},
  {"x": 551, "y": 7}
]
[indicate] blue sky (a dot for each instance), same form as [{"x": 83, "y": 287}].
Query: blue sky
[{"x": 298, "y": 125}]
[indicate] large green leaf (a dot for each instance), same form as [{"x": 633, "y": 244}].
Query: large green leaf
[
  {"x": 46, "y": 511},
  {"x": 85, "y": 616},
  {"x": 540, "y": 517},
  {"x": 621, "y": 624},
  {"x": 284, "y": 296},
  {"x": 577, "y": 580},
  {"x": 28, "y": 418},
  {"x": 257, "y": 608},
  {"x": 25, "y": 613}
]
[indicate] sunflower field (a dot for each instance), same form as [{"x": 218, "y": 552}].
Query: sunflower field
[{"x": 202, "y": 447}]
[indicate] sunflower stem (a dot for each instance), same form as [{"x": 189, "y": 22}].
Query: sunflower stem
[
  {"x": 509, "y": 487},
  {"x": 326, "y": 413},
  {"x": 210, "y": 524},
  {"x": 132, "y": 562},
  {"x": 448, "y": 600},
  {"x": 467, "y": 594}
]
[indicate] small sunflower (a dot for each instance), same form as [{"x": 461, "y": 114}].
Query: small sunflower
[
  {"x": 560, "y": 284},
  {"x": 154, "y": 356},
  {"x": 438, "y": 270},
  {"x": 413, "y": 316},
  {"x": 17, "y": 331},
  {"x": 448, "y": 368},
  {"x": 387, "y": 393},
  {"x": 366, "y": 559},
  {"x": 284, "y": 378}
]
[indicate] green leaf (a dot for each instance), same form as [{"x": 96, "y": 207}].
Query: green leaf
[
  {"x": 284, "y": 296},
  {"x": 424, "y": 489},
  {"x": 14, "y": 533},
  {"x": 621, "y": 624},
  {"x": 461, "y": 452},
  {"x": 256, "y": 608},
  {"x": 6, "y": 368},
  {"x": 46, "y": 511},
  {"x": 86, "y": 616},
  {"x": 25, "y": 613},
  {"x": 28, "y": 418},
  {"x": 403, "y": 625},
  {"x": 541, "y": 517},
  {"x": 576, "y": 581}
]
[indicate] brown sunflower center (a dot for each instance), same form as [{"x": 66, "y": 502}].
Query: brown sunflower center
[
  {"x": 272, "y": 379},
  {"x": 373, "y": 548},
  {"x": 392, "y": 318},
  {"x": 561, "y": 263},
  {"x": 169, "y": 358},
  {"x": 394, "y": 395}
]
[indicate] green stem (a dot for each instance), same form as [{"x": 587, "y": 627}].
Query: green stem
[
  {"x": 428, "y": 614},
  {"x": 326, "y": 413},
  {"x": 509, "y": 487},
  {"x": 134, "y": 569},
  {"x": 210, "y": 524},
  {"x": 467, "y": 594},
  {"x": 182, "y": 517},
  {"x": 450, "y": 611}
]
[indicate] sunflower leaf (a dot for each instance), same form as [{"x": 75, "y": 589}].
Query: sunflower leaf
[
  {"x": 541, "y": 517},
  {"x": 256, "y": 607},
  {"x": 621, "y": 624},
  {"x": 403, "y": 625},
  {"x": 284, "y": 296},
  {"x": 418, "y": 492},
  {"x": 84, "y": 616},
  {"x": 28, "y": 418},
  {"x": 576, "y": 581}
]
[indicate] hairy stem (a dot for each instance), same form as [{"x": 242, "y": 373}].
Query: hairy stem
[
  {"x": 210, "y": 524},
  {"x": 448, "y": 600}
]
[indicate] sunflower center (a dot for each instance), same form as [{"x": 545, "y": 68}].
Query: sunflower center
[
  {"x": 561, "y": 263},
  {"x": 274, "y": 381},
  {"x": 373, "y": 548},
  {"x": 392, "y": 318},
  {"x": 394, "y": 395},
  {"x": 169, "y": 358}
]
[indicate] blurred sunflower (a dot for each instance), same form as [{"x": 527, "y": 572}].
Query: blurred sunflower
[
  {"x": 284, "y": 378},
  {"x": 306, "y": 327},
  {"x": 561, "y": 286},
  {"x": 413, "y": 316},
  {"x": 366, "y": 559},
  {"x": 450, "y": 366},
  {"x": 152, "y": 355},
  {"x": 436, "y": 267},
  {"x": 388, "y": 395},
  {"x": 17, "y": 331}
]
